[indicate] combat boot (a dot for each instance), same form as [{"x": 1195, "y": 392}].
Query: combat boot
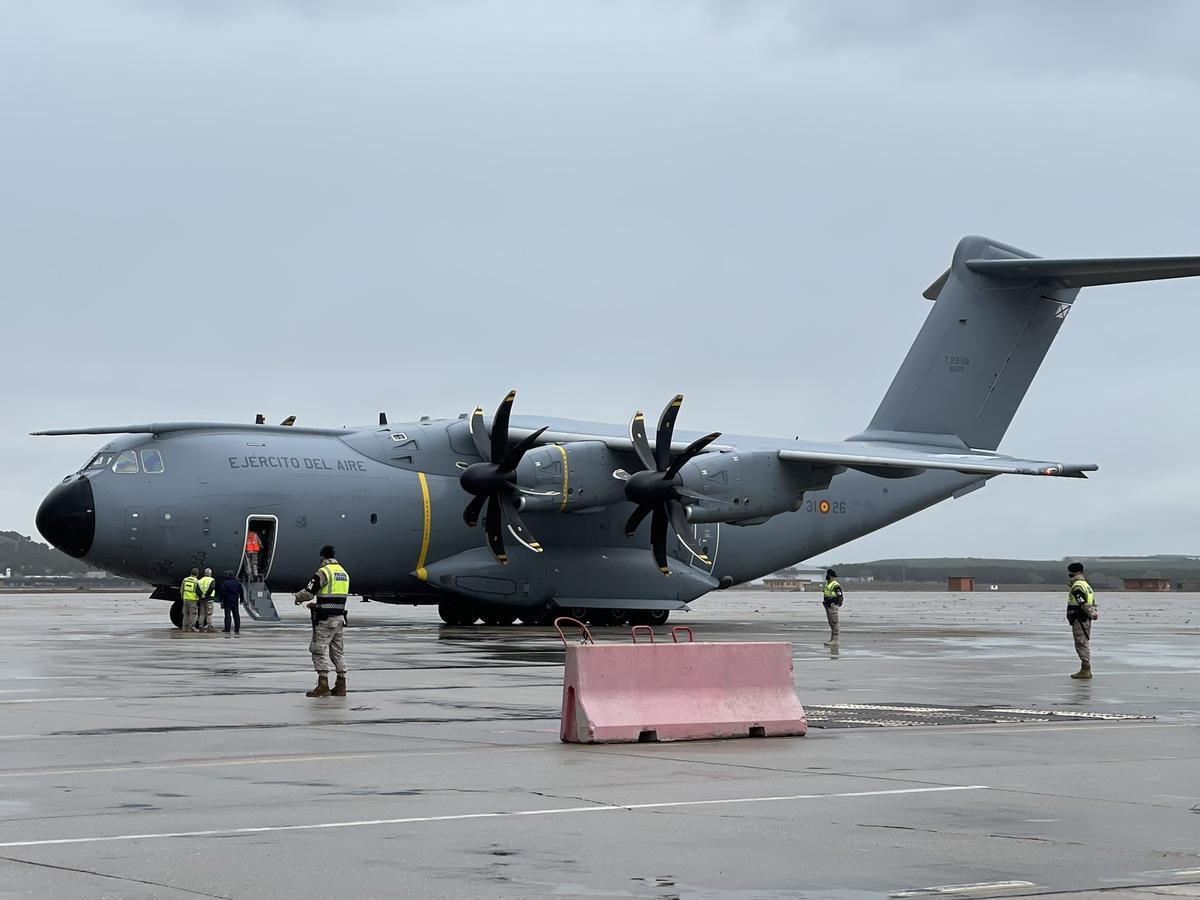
[
  {"x": 1084, "y": 672},
  {"x": 339, "y": 686},
  {"x": 322, "y": 688}
]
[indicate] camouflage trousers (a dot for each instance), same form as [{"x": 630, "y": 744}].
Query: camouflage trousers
[
  {"x": 1082, "y": 632},
  {"x": 326, "y": 646},
  {"x": 831, "y": 615},
  {"x": 188, "y": 614}
]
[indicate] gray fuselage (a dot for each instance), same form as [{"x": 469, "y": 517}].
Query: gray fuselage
[{"x": 320, "y": 489}]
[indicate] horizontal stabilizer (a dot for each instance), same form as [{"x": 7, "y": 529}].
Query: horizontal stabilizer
[
  {"x": 865, "y": 456},
  {"x": 1078, "y": 273}
]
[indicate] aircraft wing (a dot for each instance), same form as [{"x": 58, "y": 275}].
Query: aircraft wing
[
  {"x": 894, "y": 460},
  {"x": 875, "y": 456},
  {"x": 166, "y": 427},
  {"x": 615, "y": 437}
]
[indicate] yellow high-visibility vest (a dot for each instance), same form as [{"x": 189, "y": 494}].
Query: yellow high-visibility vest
[
  {"x": 332, "y": 594},
  {"x": 1073, "y": 601}
]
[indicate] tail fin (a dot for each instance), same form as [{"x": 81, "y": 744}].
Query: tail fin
[{"x": 996, "y": 312}]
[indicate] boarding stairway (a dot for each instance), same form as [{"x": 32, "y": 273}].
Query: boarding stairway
[{"x": 257, "y": 600}]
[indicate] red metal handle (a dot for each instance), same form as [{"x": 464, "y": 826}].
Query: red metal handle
[
  {"x": 585, "y": 635},
  {"x": 675, "y": 633},
  {"x": 645, "y": 628}
]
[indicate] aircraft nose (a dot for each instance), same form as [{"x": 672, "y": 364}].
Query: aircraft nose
[{"x": 67, "y": 517}]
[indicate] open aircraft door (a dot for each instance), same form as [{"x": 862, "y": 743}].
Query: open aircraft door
[
  {"x": 256, "y": 566},
  {"x": 707, "y": 536}
]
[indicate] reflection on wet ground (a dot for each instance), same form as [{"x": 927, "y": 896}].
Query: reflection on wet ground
[{"x": 441, "y": 773}]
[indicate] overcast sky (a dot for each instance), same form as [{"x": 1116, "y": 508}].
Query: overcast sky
[{"x": 600, "y": 204}]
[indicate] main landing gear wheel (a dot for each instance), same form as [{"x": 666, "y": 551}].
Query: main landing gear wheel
[
  {"x": 608, "y": 616},
  {"x": 177, "y": 613},
  {"x": 649, "y": 616}
]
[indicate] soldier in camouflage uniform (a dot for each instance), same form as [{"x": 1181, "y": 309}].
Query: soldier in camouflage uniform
[
  {"x": 325, "y": 595},
  {"x": 1081, "y": 612},
  {"x": 204, "y": 606},
  {"x": 189, "y": 593},
  {"x": 832, "y": 597}
]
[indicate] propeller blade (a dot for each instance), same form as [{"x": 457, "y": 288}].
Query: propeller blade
[
  {"x": 636, "y": 519},
  {"x": 680, "y": 523},
  {"x": 492, "y": 525},
  {"x": 479, "y": 435},
  {"x": 260, "y": 419},
  {"x": 693, "y": 449},
  {"x": 517, "y": 528},
  {"x": 383, "y": 418},
  {"x": 512, "y": 457},
  {"x": 474, "y": 508},
  {"x": 658, "y": 539},
  {"x": 288, "y": 422},
  {"x": 641, "y": 446},
  {"x": 666, "y": 428},
  {"x": 500, "y": 427}
]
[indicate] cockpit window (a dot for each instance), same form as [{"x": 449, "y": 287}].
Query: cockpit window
[
  {"x": 101, "y": 460},
  {"x": 152, "y": 463},
  {"x": 126, "y": 463}
]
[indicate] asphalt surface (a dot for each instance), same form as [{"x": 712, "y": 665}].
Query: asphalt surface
[{"x": 136, "y": 761}]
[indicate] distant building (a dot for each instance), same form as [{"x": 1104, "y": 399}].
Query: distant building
[
  {"x": 795, "y": 578},
  {"x": 787, "y": 584},
  {"x": 960, "y": 583},
  {"x": 1147, "y": 584},
  {"x": 1191, "y": 587}
]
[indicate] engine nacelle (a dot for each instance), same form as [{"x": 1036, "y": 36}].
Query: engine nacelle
[
  {"x": 577, "y": 475},
  {"x": 747, "y": 487}
]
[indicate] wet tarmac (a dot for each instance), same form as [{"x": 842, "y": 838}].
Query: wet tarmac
[{"x": 136, "y": 761}]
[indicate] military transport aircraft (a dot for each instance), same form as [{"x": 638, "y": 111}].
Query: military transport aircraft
[{"x": 600, "y": 520}]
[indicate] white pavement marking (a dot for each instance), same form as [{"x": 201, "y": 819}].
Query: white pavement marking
[
  {"x": 1178, "y": 873},
  {"x": 53, "y": 699},
  {"x": 963, "y": 888},
  {"x": 365, "y": 823}
]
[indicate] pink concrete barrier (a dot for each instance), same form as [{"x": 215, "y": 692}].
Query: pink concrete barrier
[{"x": 679, "y": 692}]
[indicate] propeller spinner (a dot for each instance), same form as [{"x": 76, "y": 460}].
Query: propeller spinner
[
  {"x": 656, "y": 489},
  {"x": 493, "y": 481}
]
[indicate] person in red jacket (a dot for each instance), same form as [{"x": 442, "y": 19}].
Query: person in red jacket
[{"x": 253, "y": 548}]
